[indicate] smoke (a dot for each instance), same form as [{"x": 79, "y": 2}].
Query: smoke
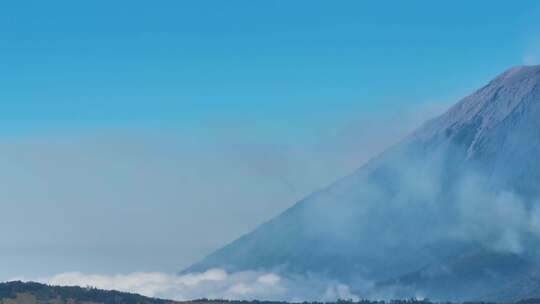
[
  {"x": 531, "y": 55},
  {"x": 436, "y": 204},
  {"x": 213, "y": 284},
  {"x": 412, "y": 208}
]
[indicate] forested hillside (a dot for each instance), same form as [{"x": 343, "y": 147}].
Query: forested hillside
[{"x": 35, "y": 293}]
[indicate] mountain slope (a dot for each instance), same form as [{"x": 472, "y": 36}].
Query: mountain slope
[{"x": 465, "y": 180}]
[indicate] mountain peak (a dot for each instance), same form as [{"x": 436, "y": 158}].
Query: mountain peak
[
  {"x": 515, "y": 91},
  {"x": 520, "y": 72}
]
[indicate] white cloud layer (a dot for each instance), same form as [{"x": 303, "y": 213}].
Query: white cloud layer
[{"x": 213, "y": 284}]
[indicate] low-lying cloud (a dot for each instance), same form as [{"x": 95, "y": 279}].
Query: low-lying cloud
[{"x": 214, "y": 284}]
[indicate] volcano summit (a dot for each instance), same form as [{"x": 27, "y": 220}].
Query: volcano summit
[{"x": 451, "y": 212}]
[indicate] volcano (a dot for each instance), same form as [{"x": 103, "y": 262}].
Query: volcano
[{"x": 451, "y": 212}]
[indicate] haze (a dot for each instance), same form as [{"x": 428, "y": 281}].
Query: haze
[{"x": 139, "y": 139}]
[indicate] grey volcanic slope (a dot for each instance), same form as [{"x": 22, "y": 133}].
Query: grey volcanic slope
[{"x": 452, "y": 206}]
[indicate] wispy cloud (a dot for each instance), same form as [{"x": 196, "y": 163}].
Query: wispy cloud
[
  {"x": 214, "y": 283},
  {"x": 531, "y": 53}
]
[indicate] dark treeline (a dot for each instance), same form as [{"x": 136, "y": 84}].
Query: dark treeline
[
  {"x": 406, "y": 301},
  {"x": 363, "y": 301},
  {"x": 46, "y": 293},
  {"x": 73, "y": 294}
]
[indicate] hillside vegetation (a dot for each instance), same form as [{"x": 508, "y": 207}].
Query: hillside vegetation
[{"x": 35, "y": 293}]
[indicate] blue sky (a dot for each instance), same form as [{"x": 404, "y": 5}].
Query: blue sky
[
  {"x": 271, "y": 62},
  {"x": 138, "y": 138}
]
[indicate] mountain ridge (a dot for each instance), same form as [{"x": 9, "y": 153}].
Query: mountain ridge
[{"x": 422, "y": 198}]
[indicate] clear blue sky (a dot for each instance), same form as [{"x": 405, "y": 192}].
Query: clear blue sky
[{"x": 139, "y": 135}]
